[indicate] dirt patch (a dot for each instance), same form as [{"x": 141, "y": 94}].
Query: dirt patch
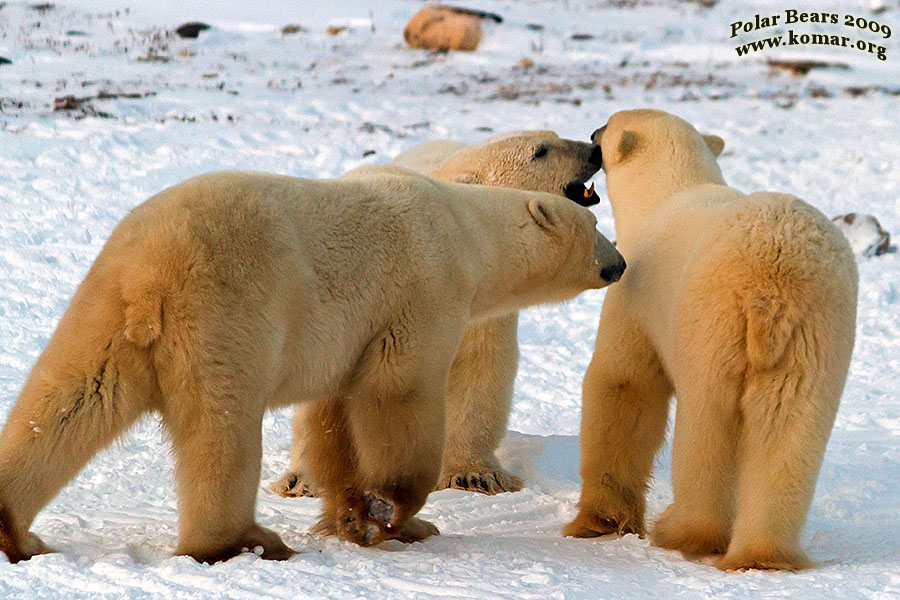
[
  {"x": 799, "y": 68},
  {"x": 81, "y": 107}
]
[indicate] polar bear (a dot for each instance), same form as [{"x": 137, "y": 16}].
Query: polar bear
[
  {"x": 428, "y": 156},
  {"x": 480, "y": 386},
  {"x": 744, "y": 307},
  {"x": 233, "y": 293}
]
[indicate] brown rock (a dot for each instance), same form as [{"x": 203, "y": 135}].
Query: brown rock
[
  {"x": 66, "y": 103},
  {"x": 798, "y": 68},
  {"x": 443, "y": 28}
]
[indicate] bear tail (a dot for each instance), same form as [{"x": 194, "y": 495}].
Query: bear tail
[
  {"x": 769, "y": 331},
  {"x": 143, "y": 319}
]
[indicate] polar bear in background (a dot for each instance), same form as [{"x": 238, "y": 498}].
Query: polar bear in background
[
  {"x": 233, "y": 293},
  {"x": 427, "y": 157},
  {"x": 481, "y": 380},
  {"x": 744, "y": 307}
]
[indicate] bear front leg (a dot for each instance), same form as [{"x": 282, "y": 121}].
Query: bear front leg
[
  {"x": 623, "y": 424},
  {"x": 349, "y": 512},
  {"x": 479, "y": 397},
  {"x": 399, "y": 440}
]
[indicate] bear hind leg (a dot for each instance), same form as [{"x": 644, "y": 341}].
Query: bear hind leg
[
  {"x": 296, "y": 482},
  {"x": 479, "y": 398},
  {"x": 59, "y": 422},
  {"x": 786, "y": 422},
  {"x": 218, "y": 448},
  {"x": 698, "y": 522}
]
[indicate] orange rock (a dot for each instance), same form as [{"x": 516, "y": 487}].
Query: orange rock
[{"x": 442, "y": 28}]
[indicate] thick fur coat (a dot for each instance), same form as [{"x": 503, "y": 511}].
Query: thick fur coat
[
  {"x": 233, "y": 293},
  {"x": 480, "y": 386},
  {"x": 744, "y": 307}
]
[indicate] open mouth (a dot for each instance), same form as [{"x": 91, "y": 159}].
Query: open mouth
[{"x": 579, "y": 193}]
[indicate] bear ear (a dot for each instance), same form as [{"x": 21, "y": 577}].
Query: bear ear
[
  {"x": 715, "y": 143},
  {"x": 542, "y": 213},
  {"x": 466, "y": 177},
  {"x": 627, "y": 144}
]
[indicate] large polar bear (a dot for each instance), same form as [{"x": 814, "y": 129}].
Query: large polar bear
[
  {"x": 232, "y": 293},
  {"x": 480, "y": 386},
  {"x": 744, "y": 307}
]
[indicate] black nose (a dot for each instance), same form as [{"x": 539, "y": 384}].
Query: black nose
[
  {"x": 595, "y": 137},
  {"x": 613, "y": 273},
  {"x": 596, "y": 157}
]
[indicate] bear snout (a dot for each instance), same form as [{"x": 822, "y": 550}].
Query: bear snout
[
  {"x": 609, "y": 264},
  {"x": 612, "y": 273}
]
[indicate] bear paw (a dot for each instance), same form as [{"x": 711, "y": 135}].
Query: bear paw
[
  {"x": 259, "y": 540},
  {"x": 692, "y": 537},
  {"x": 769, "y": 559},
  {"x": 292, "y": 486},
  {"x": 415, "y": 530},
  {"x": 273, "y": 548},
  {"x": 590, "y": 524},
  {"x": 30, "y": 546},
  {"x": 489, "y": 481},
  {"x": 364, "y": 519},
  {"x": 362, "y": 530}
]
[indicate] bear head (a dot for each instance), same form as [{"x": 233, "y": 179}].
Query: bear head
[
  {"x": 650, "y": 156},
  {"x": 538, "y": 161},
  {"x": 568, "y": 251}
]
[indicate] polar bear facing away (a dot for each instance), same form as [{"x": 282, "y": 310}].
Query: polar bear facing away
[
  {"x": 742, "y": 305},
  {"x": 232, "y": 293},
  {"x": 480, "y": 386}
]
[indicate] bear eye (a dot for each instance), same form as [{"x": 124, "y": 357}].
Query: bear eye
[{"x": 540, "y": 152}]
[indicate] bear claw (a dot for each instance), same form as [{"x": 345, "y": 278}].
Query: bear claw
[
  {"x": 487, "y": 481},
  {"x": 291, "y": 486},
  {"x": 593, "y": 525}
]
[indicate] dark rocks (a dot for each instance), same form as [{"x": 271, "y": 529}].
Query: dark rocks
[
  {"x": 865, "y": 234},
  {"x": 191, "y": 30}
]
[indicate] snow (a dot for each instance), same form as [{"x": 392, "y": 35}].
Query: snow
[{"x": 243, "y": 95}]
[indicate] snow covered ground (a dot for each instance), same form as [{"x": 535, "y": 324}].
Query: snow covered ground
[{"x": 150, "y": 109}]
